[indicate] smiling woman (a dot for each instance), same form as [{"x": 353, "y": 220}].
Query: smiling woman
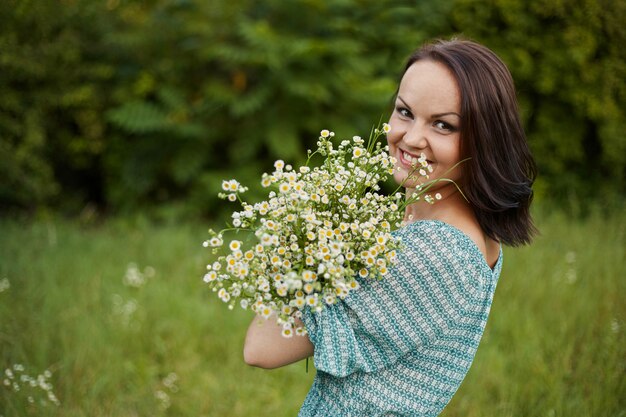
[
  {"x": 402, "y": 345},
  {"x": 497, "y": 178},
  {"x": 426, "y": 121}
]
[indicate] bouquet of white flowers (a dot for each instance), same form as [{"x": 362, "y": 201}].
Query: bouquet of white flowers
[{"x": 320, "y": 228}]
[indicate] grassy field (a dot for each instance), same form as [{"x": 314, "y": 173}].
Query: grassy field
[{"x": 119, "y": 316}]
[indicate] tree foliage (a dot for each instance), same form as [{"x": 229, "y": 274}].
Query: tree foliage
[
  {"x": 570, "y": 69},
  {"x": 127, "y": 103},
  {"x": 53, "y": 80}
]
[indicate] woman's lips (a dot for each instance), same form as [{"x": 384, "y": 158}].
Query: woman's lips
[{"x": 408, "y": 159}]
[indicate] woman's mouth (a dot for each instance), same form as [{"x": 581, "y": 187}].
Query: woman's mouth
[{"x": 410, "y": 160}]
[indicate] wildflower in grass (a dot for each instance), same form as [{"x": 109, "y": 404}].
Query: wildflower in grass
[
  {"x": 125, "y": 310},
  {"x": 34, "y": 390},
  {"x": 614, "y": 325},
  {"x": 134, "y": 277},
  {"x": 318, "y": 229},
  {"x": 163, "y": 398},
  {"x": 163, "y": 393},
  {"x": 4, "y": 284}
]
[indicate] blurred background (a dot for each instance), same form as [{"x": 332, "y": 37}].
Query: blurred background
[{"x": 119, "y": 119}]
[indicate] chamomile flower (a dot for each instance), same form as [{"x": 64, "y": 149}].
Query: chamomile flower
[
  {"x": 308, "y": 276},
  {"x": 381, "y": 239},
  {"x": 265, "y": 311},
  {"x": 311, "y": 300},
  {"x": 282, "y": 290},
  {"x": 318, "y": 229},
  {"x": 223, "y": 295},
  {"x": 210, "y": 276},
  {"x": 330, "y": 298}
]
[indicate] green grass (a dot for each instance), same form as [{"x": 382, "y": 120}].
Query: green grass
[{"x": 555, "y": 344}]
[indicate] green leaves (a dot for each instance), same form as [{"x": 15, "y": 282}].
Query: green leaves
[
  {"x": 139, "y": 117},
  {"x": 125, "y": 93},
  {"x": 566, "y": 64}
]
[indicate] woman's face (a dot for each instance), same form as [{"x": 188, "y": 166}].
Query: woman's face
[{"x": 426, "y": 119}]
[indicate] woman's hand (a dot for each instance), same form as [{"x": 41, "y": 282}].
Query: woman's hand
[{"x": 265, "y": 346}]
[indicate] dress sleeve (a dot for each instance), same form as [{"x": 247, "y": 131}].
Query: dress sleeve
[{"x": 428, "y": 292}]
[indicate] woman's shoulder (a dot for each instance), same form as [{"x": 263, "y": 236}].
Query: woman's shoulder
[
  {"x": 436, "y": 236},
  {"x": 434, "y": 231},
  {"x": 449, "y": 241}
]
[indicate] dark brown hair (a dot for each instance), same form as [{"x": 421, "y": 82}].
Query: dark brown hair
[{"x": 498, "y": 177}]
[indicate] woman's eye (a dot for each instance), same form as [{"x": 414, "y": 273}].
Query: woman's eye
[
  {"x": 444, "y": 126},
  {"x": 403, "y": 111}
]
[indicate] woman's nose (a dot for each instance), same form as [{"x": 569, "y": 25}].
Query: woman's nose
[{"x": 416, "y": 136}]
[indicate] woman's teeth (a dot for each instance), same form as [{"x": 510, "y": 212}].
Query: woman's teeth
[{"x": 409, "y": 158}]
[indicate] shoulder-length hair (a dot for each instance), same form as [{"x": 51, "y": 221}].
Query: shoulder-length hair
[{"x": 498, "y": 177}]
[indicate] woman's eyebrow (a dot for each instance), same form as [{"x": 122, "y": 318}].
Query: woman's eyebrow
[
  {"x": 404, "y": 102},
  {"x": 433, "y": 115},
  {"x": 446, "y": 114}
]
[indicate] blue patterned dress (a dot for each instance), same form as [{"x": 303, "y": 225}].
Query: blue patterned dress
[{"x": 401, "y": 346}]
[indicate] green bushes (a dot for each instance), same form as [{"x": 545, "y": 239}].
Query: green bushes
[
  {"x": 126, "y": 104},
  {"x": 569, "y": 69}
]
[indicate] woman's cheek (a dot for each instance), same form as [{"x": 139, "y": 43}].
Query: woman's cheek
[{"x": 392, "y": 137}]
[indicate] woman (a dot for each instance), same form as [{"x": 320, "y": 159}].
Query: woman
[{"x": 402, "y": 345}]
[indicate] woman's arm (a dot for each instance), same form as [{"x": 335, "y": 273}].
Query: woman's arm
[{"x": 265, "y": 346}]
